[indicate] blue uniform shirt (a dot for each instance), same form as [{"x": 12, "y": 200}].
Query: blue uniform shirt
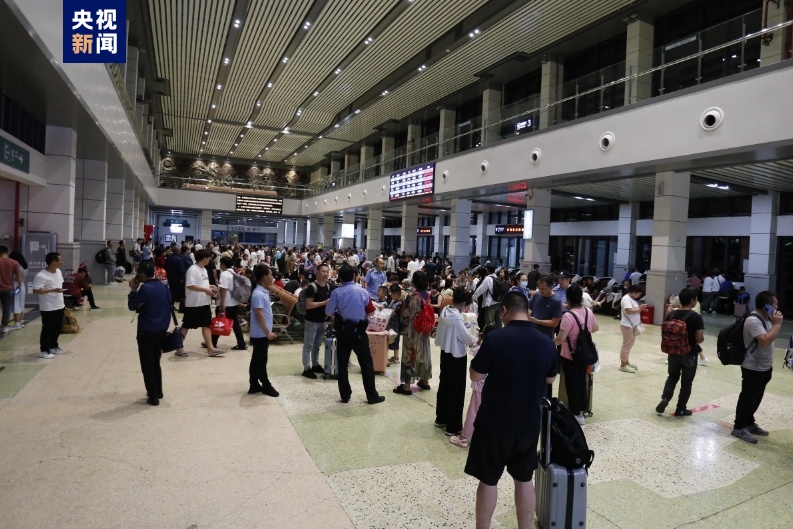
[
  {"x": 374, "y": 280},
  {"x": 561, "y": 295},
  {"x": 260, "y": 299},
  {"x": 349, "y": 301}
]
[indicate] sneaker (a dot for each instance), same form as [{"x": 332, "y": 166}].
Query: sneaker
[
  {"x": 57, "y": 351},
  {"x": 634, "y": 366},
  {"x": 580, "y": 419},
  {"x": 703, "y": 362},
  {"x": 309, "y": 374},
  {"x": 376, "y": 400},
  {"x": 439, "y": 425},
  {"x": 16, "y": 327},
  {"x": 682, "y": 413},
  {"x": 318, "y": 369},
  {"x": 744, "y": 435},
  {"x": 5, "y": 330},
  {"x": 240, "y": 348},
  {"x": 627, "y": 369},
  {"x": 661, "y": 406},
  {"x": 254, "y": 389},
  {"x": 46, "y": 354},
  {"x": 98, "y": 308},
  {"x": 756, "y": 430}
]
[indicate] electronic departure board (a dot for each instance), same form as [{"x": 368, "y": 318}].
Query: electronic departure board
[
  {"x": 413, "y": 182},
  {"x": 256, "y": 204},
  {"x": 509, "y": 229}
]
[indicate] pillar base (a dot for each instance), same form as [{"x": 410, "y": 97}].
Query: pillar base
[
  {"x": 660, "y": 285},
  {"x": 70, "y": 253},
  {"x": 459, "y": 263},
  {"x": 756, "y": 283}
]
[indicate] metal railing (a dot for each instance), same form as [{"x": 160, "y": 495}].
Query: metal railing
[{"x": 117, "y": 76}]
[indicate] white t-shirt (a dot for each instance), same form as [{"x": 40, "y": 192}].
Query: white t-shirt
[
  {"x": 412, "y": 267},
  {"x": 45, "y": 280},
  {"x": 196, "y": 276},
  {"x": 227, "y": 282},
  {"x": 629, "y": 320}
]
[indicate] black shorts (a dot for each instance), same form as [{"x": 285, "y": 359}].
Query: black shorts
[
  {"x": 197, "y": 317},
  {"x": 489, "y": 454}
]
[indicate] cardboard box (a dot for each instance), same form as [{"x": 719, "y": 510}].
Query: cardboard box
[{"x": 378, "y": 345}]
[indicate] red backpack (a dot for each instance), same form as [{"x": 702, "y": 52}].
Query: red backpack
[
  {"x": 674, "y": 337},
  {"x": 425, "y": 319}
]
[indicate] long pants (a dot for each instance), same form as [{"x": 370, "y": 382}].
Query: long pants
[
  {"x": 89, "y": 293},
  {"x": 680, "y": 366},
  {"x": 493, "y": 315},
  {"x": 752, "y": 391},
  {"x": 575, "y": 384},
  {"x": 628, "y": 340},
  {"x": 346, "y": 342},
  {"x": 150, "y": 351},
  {"x": 51, "y": 324},
  {"x": 7, "y": 299},
  {"x": 110, "y": 268},
  {"x": 707, "y": 297},
  {"x": 231, "y": 313},
  {"x": 313, "y": 336},
  {"x": 257, "y": 370},
  {"x": 451, "y": 392}
]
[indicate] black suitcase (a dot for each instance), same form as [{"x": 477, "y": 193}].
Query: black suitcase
[
  {"x": 561, "y": 492},
  {"x": 331, "y": 353}
]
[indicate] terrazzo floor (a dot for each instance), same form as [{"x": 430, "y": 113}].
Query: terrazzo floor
[{"x": 80, "y": 448}]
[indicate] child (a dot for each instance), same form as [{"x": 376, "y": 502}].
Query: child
[
  {"x": 394, "y": 323},
  {"x": 476, "y": 398},
  {"x": 382, "y": 300}
]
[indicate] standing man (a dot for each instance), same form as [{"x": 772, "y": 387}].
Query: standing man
[
  {"x": 685, "y": 366},
  {"x": 759, "y": 333},
  {"x": 9, "y": 269},
  {"x": 48, "y": 286},
  {"x": 145, "y": 251},
  {"x": 121, "y": 256},
  {"x": 413, "y": 266},
  {"x": 317, "y": 298},
  {"x": 350, "y": 304},
  {"x": 492, "y": 309},
  {"x": 110, "y": 263},
  {"x": 374, "y": 278},
  {"x": 546, "y": 310},
  {"x": 228, "y": 305},
  {"x": 392, "y": 263},
  {"x": 136, "y": 255},
  {"x": 533, "y": 277},
  {"x": 561, "y": 292},
  {"x": 519, "y": 363},
  {"x": 710, "y": 289},
  {"x": 198, "y": 296},
  {"x": 261, "y": 332}
]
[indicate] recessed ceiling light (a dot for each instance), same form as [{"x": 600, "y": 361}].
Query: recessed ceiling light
[
  {"x": 336, "y": 126},
  {"x": 385, "y": 93},
  {"x": 206, "y": 133},
  {"x": 358, "y": 111},
  {"x": 236, "y": 144},
  {"x": 338, "y": 71},
  {"x": 209, "y": 121},
  {"x": 232, "y": 152},
  {"x": 214, "y": 105},
  {"x": 236, "y": 23},
  {"x": 226, "y": 60},
  {"x": 258, "y": 103},
  {"x": 220, "y": 86},
  {"x": 320, "y": 137},
  {"x": 476, "y": 31},
  {"x": 316, "y": 94},
  {"x": 276, "y": 139},
  {"x": 267, "y": 148},
  {"x": 269, "y": 85},
  {"x": 368, "y": 40},
  {"x": 285, "y": 59},
  {"x": 203, "y": 143}
]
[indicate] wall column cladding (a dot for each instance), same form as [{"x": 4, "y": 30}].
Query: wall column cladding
[
  {"x": 388, "y": 155},
  {"x": 626, "y": 239},
  {"x": 313, "y": 236},
  {"x": 638, "y": 59},
  {"x": 446, "y": 131},
  {"x": 667, "y": 273},
  {"x": 346, "y": 242},
  {"x": 129, "y": 206},
  {"x": 491, "y": 114},
  {"x": 460, "y": 234},
  {"x": 328, "y": 227},
  {"x": 414, "y": 143},
  {"x": 410, "y": 221},
  {"x": 206, "y": 227},
  {"x": 551, "y": 91},
  {"x": 114, "y": 216},
  {"x": 300, "y": 233},
  {"x": 374, "y": 233},
  {"x": 90, "y": 204},
  {"x": 761, "y": 274},
  {"x": 367, "y": 159},
  {"x": 535, "y": 250},
  {"x": 776, "y": 49}
]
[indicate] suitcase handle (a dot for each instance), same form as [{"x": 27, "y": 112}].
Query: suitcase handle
[{"x": 545, "y": 432}]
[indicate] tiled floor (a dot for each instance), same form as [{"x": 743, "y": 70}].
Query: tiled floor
[{"x": 82, "y": 449}]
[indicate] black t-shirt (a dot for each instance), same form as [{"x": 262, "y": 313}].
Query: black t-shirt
[
  {"x": 430, "y": 269},
  {"x": 517, "y": 359},
  {"x": 210, "y": 268},
  {"x": 694, "y": 323},
  {"x": 532, "y": 278},
  {"x": 320, "y": 294},
  {"x": 292, "y": 286},
  {"x": 544, "y": 308}
]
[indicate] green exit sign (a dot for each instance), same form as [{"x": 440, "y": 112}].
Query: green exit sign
[{"x": 14, "y": 156}]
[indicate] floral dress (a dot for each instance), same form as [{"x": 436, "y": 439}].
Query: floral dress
[{"x": 416, "y": 358}]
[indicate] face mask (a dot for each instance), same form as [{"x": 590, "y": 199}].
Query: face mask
[{"x": 524, "y": 284}]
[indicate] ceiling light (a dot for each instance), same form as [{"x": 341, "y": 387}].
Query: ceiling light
[
  {"x": 368, "y": 40},
  {"x": 236, "y": 23},
  {"x": 214, "y": 105},
  {"x": 220, "y": 86},
  {"x": 590, "y": 199},
  {"x": 285, "y": 59},
  {"x": 306, "y": 24},
  {"x": 295, "y": 154},
  {"x": 203, "y": 143},
  {"x": 226, "y": 60},
  {"x": 316, "y": 94},
  {"x": 471, "y": 34},
  {"x": 269, "y": 85},
  {"x": 336, "y": 126},
  {"x": 232, "y": 152},
  {"x": 476, "y": 31},
  {"x": 422, "y": 67},
  {"x": 209, "y": 121},
  {"x": 236, "y": 144},
  {"x": 320, "y": 137},
  {"x": 338, "y": 71},
  {"x": 267, "y": 148},
  {"x": 286, "y": 130},
  {"x": 206, "y": 133},
  {"x": 579, "y": 198},
  {"x": 258, "y": 103},
  {"x": 276, "y": 139},
  {"x": 385, "y": 93},
  {"x": 358, "y": 111}
]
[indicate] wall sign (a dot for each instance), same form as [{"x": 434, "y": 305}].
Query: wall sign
[
  {"x": 520, "y": 125},
  {"x": 257, "y": 204},
  {"x": 14, "y": 156},
  {"x": 94, "y": 31},
  {"x": 424, "y": 231},
  {"x": 509, "y": 229}
]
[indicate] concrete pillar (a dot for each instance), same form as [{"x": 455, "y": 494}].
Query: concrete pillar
[
  {"x": 670, "y": 228},
  {"x": 335, "y": 168},
  {"x": 205, "y": 234},
  {"x": 460, "y": 234},
  {"x": 129, "y": 206},
  {"x": 367, "y": 162},
  {"x": 774, "y": 44},
  {"x": 626, "y": 239},
  {"x": 761, "y": 274},
  {"x": 437, "y": 232},
  {"x": 346, "y": 242},
  {"x": 491, "y": 115},
  {"x": 410, "y": 221},
  {"x": 360, "y": 233},
  {"x": 351, "y": 168},
  {"x": 551, "y": 92},
  {"x": 388, "y": 155},
  {"x": 90, "y": 203},
  {"x": 374, "y": 233},
  {"x": 414, "y": 144},
  {"x": 289, "y": 233},
  {"x": 114, "y": 213},
  {"x": 446, "y": 131},
  {"x": 328, "y": 230},
  {"x": 300, "y": 233},
  {"x": 535, "y": 250},
  {"x": 313, "y": 229},
  {"x": 137, "y": 224},
  {"x": 639, "y": 59}
]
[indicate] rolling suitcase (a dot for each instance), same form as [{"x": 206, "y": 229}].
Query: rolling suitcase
[
  {"x": 561, "y": 492},
  {"x": 118, "y": 274},
  {"x": 331, "y": 354}
]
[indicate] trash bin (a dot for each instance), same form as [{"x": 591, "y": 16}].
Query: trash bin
[{"x": 648, "y": 315}]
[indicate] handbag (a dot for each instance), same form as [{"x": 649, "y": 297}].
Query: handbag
[
  {"x": 221, "y": 326},
  {"x": 638, "y": 329},
  {"x": 174, "y": 339}
]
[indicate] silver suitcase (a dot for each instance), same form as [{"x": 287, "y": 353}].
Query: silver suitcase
[
  {"x": 561, "y": 493},
  {"x": 331, "y": 353}
]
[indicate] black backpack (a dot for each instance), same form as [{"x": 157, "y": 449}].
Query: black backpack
[
  {"x": 568, "y": 442},
  {"x": 101, "y": 257},
  {"x": 498, "y": 289},
  {"x": 585, "y": 352},
  {"x": 730, "y": 347}
]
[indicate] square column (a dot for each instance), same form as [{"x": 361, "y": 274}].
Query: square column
[
  {"x": 131, "y": 72},
  {"x": 90, "y": 200},
  {"x": 206, "y": 227},
  {"x": 300, "y": 233},
  {"x": 761, "y": 274},
  {"x": 388, "y": 155},
  {"x": 351, "y": 168},
  {"x": 639, "y": 59},
  {"x": 360, "y": 233},
  {"x": 374, "y": 233},
  {"x": 367, "y": 162},
  {"x": 626, "y": 239},
  {"x": 551, "y": 91},
  {"x": 460, "y": 234},
  {"x": 482, "y": 240},
  {"x": 491, "y": 115},
  {"x": 414, "y": 144},
  {"x": 535, "y": 250},
  {"x": 774, "y": 47},
  {"x": 137, "y": 223},
  {"x": 437, "y": 232},
  {"x": 313, "y": 229},
  {"x": 328, "y": 228},
  {"x": 129, "y": 207},
  {"x": 346, "y": 242},
  {"x": 667, "y": 273},
  {"x": 446, "y": 131},
  {"x": 114, "y": 213},
  {"x": 410, "y": 223},
  {"x": 289, "y": 233}
]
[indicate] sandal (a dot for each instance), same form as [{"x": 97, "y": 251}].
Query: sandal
[
  {"x": 181, "y": 353},
  {"x": 425, "y": 387},
  {"x": 402, "y": 391},
  {"x": 460, "y": 441}
]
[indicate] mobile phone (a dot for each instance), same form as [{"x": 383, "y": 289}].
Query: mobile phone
[
  {"x": 16, "y": 291},
  {"x": 769, "y": 309}
]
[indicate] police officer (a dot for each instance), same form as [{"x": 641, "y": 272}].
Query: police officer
[{"x": 350, "y": 304}]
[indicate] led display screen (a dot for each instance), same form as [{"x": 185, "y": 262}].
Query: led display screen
[{"x": 412, "y": 182}]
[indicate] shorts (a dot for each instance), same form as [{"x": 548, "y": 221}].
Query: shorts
[
  {"x": 197, "y": 317},
  {"x": 489, "y": 454}
]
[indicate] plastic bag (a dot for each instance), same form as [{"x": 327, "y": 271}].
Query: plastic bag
[
  {"x": 378, "y": 320},
  {"x": 221, "y": 326}
]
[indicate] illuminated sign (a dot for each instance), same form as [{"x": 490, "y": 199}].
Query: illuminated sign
[
  {"x": 509, "y": 229},
  {"x": 424, "y": 231},
  {"x": 412, "y": 182},
  {"x": 256, "y": 204},
  {"x": 520, "y": 125}
]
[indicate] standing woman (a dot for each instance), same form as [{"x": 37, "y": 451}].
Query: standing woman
[
  {"x": 19, "y": 298},
  {"x": 416, "y": 359},
  {"x": 453, "y": 339},
  {"x": 521, "y": 285},
  {"x": 152, "y": 301},
  {"x": 576, "y": 318},
  {"x": 630, "y": 319}
]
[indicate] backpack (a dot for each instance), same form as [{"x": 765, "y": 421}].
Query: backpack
[
  {"x": 568, "y": 442},
  {"x": 674, "y": 337},
  {"x": 498, "y": 289},
  {"x": 585, "y": 352},
  {"x": 242, "y": 288},
  {"x": 425, "y": 319},
  {"x": 729, "y": 345},
  {"x": 301, "y": 306},
  {"x": 100, "y": 256}
]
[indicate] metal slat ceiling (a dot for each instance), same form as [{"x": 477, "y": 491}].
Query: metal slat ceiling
[
  {"x": 776, "y": 176},
  {"x": 286, "y": 146},
  {"x": 221, "y": 139},
  {"x": 252, "y": 143}
]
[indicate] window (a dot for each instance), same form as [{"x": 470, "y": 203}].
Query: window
[
  {"x": 727, "y": 207},
  {"x": 392, "y": 223},
  {"x": 22, "y": 125}
]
